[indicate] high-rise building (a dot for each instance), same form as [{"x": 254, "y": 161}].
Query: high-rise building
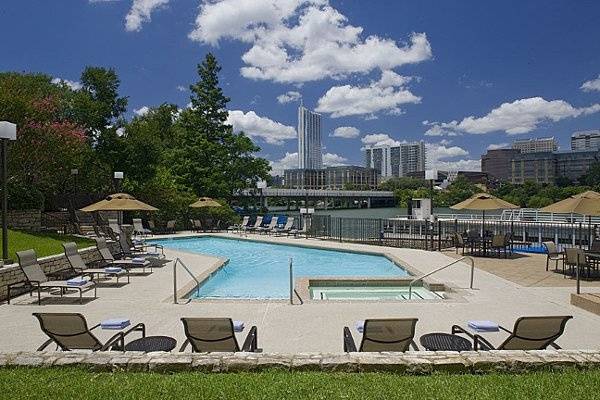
[
  {"x": 336, "y": 178},
  {"x": 535, "y": 145},
  {"x": 309, "y": 139},
  {"x": 497, "y": 163},
  {"x": 396, "y": 160},
  {"x": 585, "y": 140}
]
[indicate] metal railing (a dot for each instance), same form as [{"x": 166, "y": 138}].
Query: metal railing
[
  {"x": 178, "y": 261},
  {"x": 420, "y": 278}
]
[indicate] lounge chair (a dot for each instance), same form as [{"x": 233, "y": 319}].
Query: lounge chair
[
  {"x": 529, "y": 333},
  {"x": 151, "y": 226},
  {"x": 297, "y": 231},
  {"x": 552, "y": 254},
  {"x": 140, "y": 246},
  {"x": 215, "y": 335},
  {"x": 384, "y": 335},
  {"x": 257, "y": 224},
  {"x": 240, "y": 226},
  {"x": 289, "y": 224},
  {"x": 138, "y": 228},
  {"x": 36, "y": 279},
  {"x": 268, "y": 228},
  {"x": 170, "y": 228},
  {"x": 77, "y": 264},
  {"x": 108, "y": 259},
  {"x": 113, "y": 224},
  {"x": 69, "y": 331}
]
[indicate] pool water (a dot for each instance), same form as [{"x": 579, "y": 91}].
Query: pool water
[
  {"x": 372, "y": 293},
  {"x": 261, "y": 270}
]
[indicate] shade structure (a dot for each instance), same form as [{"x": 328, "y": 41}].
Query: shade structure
[
  {"x": 483, "y": 202},
  {"x": 119, "y": 202},
  {"x": 205, "y": 202},
  {"x": 584, "y": 204}
]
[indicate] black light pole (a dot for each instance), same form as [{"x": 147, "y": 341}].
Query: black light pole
[
  {"x": 8, "y": 131},
  {"x": 74, "y": 173},
  {"x": 118, "y": 175}
]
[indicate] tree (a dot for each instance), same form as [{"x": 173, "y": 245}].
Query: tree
[{"x": 208, "y": 156}]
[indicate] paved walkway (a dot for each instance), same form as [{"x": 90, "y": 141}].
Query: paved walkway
[{"x": 315, "y": 326}]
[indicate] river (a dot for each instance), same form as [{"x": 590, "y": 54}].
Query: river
[{"x": 388, "y": 212}]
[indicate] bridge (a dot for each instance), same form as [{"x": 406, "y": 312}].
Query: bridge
[{"x": 344, "y": 197}]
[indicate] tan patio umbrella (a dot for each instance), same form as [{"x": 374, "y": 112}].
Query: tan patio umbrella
[
  {"x": 205, "y": 202},
  {"x": 119, "y": 202},
  {"x": 483, "y": 202},
  {"x": 587, "y": 203}
]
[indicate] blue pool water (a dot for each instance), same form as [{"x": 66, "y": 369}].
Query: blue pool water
[{"x": 261, "y": 270}]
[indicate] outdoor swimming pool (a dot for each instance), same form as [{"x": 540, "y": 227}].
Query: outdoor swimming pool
[{"x": 259, "y": 270}]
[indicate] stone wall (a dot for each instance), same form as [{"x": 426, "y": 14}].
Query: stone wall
[
  {"x": 416, "y": 363},
  {"x": 12, "y": 273},
  {"x": 28, "y": 220}
]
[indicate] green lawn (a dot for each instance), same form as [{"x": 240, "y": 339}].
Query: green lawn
[
  {"x": 73, "y": 383},
  {"x": 44, "y": 244}
]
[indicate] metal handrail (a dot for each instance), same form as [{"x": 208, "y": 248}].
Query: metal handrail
[
  {"x": 420, "y": 278},
  {"x": 178, "y": 261}
]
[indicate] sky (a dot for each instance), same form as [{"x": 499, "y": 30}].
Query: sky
[{"x": 462, "y": 75}]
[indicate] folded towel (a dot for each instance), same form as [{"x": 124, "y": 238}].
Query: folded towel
[
  {"x": 79, "y": 281},
  {"x": 115, "y": 323},
  {"x": 483, "y": 326},
  {"x": 238, "y": 326},
  {"x": 138, "y": 260},
  {"x": 360, "y": 326},
  {"x": 113, "y": 270}
]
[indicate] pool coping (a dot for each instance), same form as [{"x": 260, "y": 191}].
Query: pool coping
[{"x": 300, "y": 286}]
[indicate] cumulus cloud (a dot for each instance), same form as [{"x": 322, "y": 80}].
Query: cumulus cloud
[
  {"x": 386, "y": 94},
  {"x": 346, "y": 132},
  {"x": 520, "y": 116},
  {"x": 333, "y": 160},
  {"x": 289, "y": 97},
  {"x": 592, "y": 85},
  {"x": 290, "y": 161},
  {"x": 302, "y": 40},
  {"x": 496, "y": 146},
  {"x": 379, "y": 139},
  {"x": 74, "y": 85},
  {"x": 181, "y": 88},
  {"x": 264, "y": 128},
  {"x": 140, "y": 12},
  {"x": 446, "y": 158},
  {"x": 141, "y": 111}
]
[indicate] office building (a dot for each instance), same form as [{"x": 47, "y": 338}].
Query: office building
[
  {"x": 309, "y": 139},
  {"x": 398, "y": 160},
  {"x": 335, "y": 178},
  {"x": 497, "y": 164},
  {"x": 585, "y": 140},
  {"x": 536, "y": 145}
]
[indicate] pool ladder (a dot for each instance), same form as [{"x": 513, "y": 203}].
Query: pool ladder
[
  {"x": 420, "y": 278},
  {"x": 185, "y": 268}
]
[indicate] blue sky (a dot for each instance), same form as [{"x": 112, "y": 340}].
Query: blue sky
[{"x": 461, "y": 75}]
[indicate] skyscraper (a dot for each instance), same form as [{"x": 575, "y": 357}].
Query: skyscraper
[
  {"x": 309, "y": 139},
  {"x": 396, "y": 160}
]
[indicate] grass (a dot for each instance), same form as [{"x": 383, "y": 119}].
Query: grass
[
  {"x": 44, "y": 243},
  {"x": 74, "y": 383}
]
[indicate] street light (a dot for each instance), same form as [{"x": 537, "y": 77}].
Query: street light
[
  {"x": 74, "y": 173},
  {"x": 8, "y": 131},
  {"x": 118, "y": 175}
]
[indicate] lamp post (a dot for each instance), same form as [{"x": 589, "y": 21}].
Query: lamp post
[
  {"x": 74, "y": 173},
  {"x": 8, "y": 131},
  {"x": 118, "y": 178}
]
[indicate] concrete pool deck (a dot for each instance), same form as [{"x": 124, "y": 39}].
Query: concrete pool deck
[{"x": 315, "y": 326}]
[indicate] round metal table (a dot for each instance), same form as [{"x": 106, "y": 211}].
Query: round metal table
[
  {"x": 439, "y": 341},
  {"x": 152, "y": 343}
]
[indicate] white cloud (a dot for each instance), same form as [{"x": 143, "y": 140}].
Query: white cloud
[
  {"x": 140, "y": 12},
  {"x": 289, "y": 97},
  {"x": 255, "y": 126},
  {"x": 302, "y": 40},
  {"x": 442, "y": 157},
  {"x": 460, "y": 165},
  {"x": 346, "y": 132},
  {"x": 496, "y": 146},
  {"x": 290, "y": 161},
  {"x": 333, "y": 160},
  {"x": 181, "y": 88},
  {"x": 592, "y": 85},
  {"x": 74, "y": 85},
  {"x": 387, "y": 94},
  {"x": 379, "y": 139},
  {"x": 141, "y": 111},
  {"x": 520, "y": 116}
]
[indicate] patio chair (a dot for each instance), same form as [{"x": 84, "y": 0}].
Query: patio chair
[
  {"x": 289, "y": 224},
  {"x": 257, "y": 224},
  {"x": 529, "y": 333},
  {"x": 595, "y": 247},
  {"x": 77, "y": 264},
  {"x": 552, "y": 254},
  {"x": 383, "y": 335},
  {"x": 152, "y": 226},
  {"x": 575, "y": 257},
  {"x": 37, "y": 280},
  {"x": 499, "y": 244},
  {"x": 268, "y": 228},
  {"x": 170, "y": 228},
  {"x": 215, "y": 335},
  {"x": 69, "y": 331},
  {"x": 459, "y": 243},
  {"x": 138, "y": 228}
]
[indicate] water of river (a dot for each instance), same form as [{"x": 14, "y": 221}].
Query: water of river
[{"x": 389, "y": 212}]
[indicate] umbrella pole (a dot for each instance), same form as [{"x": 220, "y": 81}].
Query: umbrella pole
[{"x": 483, "y": 233}]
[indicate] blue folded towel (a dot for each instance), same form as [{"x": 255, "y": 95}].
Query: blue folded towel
[
  {"x": 79, "y": 281},
  {"x": 138, "y": 260},
  {"x": 360, "y": 326},
  {"x": 115, "y": 323},
  {"x": 113, "y": 270},
  {"x": 238, "y": 326},
  {"x": 483, "y": 326}
]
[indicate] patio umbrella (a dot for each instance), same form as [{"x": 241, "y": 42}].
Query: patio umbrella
[
  {"x": 205, "y": 202},
  {"x": 119, "y": 202}
]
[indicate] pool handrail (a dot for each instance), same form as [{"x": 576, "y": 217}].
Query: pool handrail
[
  {"x": 420, "y": 278},
  {"x": 178, "y": 261}
]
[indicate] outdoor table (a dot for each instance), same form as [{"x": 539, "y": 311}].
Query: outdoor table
[
  {"x": 152, "y": 343},
  {"x": 439, "y": 341}
]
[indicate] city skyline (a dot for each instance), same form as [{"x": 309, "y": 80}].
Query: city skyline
[{"x": 505, "y": 71}]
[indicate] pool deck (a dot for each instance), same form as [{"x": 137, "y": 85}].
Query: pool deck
[{"x": 315, "y": 326}]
